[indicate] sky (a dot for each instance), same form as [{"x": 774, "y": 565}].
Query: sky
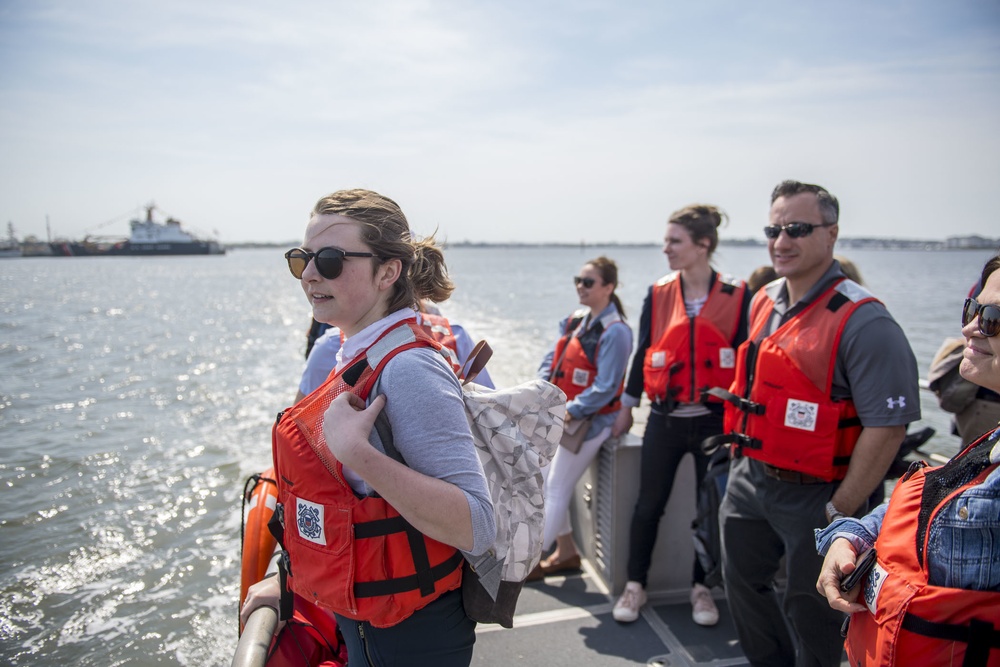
[{"x": 517, "y": 121}]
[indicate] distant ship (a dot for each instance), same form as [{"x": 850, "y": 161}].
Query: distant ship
[
  {"x": 148, "y": 237},
  {"x": 10, "y": 247},
  {"x": 154, "y": 238}
]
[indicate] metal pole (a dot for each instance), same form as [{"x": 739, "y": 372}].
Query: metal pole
[{"x": 251, "y": 651}]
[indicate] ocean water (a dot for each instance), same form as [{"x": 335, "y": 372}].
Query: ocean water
[{"x": 138, "y": 395}]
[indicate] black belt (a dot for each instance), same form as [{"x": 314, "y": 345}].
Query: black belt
[{"x": 791, "y": 476}]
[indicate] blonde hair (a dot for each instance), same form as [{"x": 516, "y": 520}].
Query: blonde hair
[
  {"x": 386, "y": 231},
  {"x": 850, "y": 269}
]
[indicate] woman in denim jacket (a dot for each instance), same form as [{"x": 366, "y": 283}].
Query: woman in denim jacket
[{"x": 933, "y": 591}]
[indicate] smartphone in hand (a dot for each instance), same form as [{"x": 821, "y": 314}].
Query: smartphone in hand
[{"x": 861, "y": 568}]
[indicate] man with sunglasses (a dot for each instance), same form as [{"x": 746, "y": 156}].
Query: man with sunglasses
[{"x": 825, "y": 386}]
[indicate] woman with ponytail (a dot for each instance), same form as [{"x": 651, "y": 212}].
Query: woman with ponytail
[
  {"x": 370, "y": 534},
  {"x": 588, "y": 363}
]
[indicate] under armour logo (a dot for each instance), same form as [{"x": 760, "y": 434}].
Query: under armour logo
[{"x": 896, "y": 403}]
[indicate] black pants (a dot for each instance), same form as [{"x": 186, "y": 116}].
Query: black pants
[
  {"x": 763, "y": 519},
  {"x": 440, "y": 634},
  {"x": 664, "y": 443}
]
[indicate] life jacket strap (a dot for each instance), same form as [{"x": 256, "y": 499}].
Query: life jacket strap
[
  {"x": 741, "y": 404},
  {"x": 849, "y": 422},
  {"x": 379, "y": 527},
  {"x": 286, "y": 604},
  {"x": 739, "y": 439},
  {"x": 980, "y": 636},
  {"x": 368, "y": 589}
]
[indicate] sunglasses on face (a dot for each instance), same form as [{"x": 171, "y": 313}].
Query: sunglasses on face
[
  {"x": 329, "y": 261},
  {"x": 586, "y": 282},
  {"x": 795, "y": 230},
  {"x": 989, "y": 317}
]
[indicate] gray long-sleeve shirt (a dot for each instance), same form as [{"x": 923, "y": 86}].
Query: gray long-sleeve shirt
[{"x": 426, "y": 412}]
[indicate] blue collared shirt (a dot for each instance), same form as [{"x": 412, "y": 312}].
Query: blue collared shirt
[{"x": 963, "y": 548}]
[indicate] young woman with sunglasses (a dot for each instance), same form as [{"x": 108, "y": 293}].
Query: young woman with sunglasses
[
  {"x": 692, "y": 321},
  {"x": 587, "y": 362},
  {"x": 393, "y": 582},
  {"x": 935, "y": 582},
  {"x": 322, "y": 358}
]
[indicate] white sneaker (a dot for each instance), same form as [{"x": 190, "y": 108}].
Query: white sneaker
[
  {"x": 703, "y": 609},
  {"x": 627, "y": 608}
]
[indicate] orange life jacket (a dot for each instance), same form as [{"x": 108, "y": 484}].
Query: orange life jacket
[
  {"x": 780, "y": 410},
  {"x": 911, "y": 622},
  {"x": 688, "y": 355},
  {"x": 439, "y": 328},
  {"x": 353, "y": 555},
  {"x": 575, "y": 357}
]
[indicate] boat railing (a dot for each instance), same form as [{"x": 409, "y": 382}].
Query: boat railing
[{"x": 251, "y": 651}]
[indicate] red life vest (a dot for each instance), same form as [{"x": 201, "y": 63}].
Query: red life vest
[
  {"x": 353, "y": 555},
  {"x": 780, "y": 410},
  {"x": 687, "y": 355},
  {"x": 439, "y": 329},
  {"x": 575, "y": 356},
  {"x": 910, "y": 621}
]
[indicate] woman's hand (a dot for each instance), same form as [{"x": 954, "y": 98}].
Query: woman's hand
[
  {"x": 839, "y": 562},
  {"x": 265, "y": 593},
  {"x": 623, "y": 422},
  {"x": 347, "y": 424}
]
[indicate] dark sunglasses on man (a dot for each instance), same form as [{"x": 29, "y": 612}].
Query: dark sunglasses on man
[
  {"x": 795, "y": 230},
  {"x": 329, "y": 261},
  {"x": 989, "y": 317}
]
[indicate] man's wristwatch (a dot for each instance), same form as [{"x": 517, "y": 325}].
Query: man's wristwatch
[{"x": 832, "y": 513}]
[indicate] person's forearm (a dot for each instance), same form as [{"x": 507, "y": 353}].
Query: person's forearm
[
  {"x": 873, "y": 454},
  {"x": 436, "y": 508}
]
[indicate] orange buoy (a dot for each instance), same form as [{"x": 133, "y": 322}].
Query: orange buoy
[{"x": 261, "y": 492}]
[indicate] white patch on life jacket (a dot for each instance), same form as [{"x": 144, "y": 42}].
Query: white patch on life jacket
[
  {"x": 581, "y": 378},
  {"x": 309, "y": 520},
  {"x": 727, "y": 358},
  {"x": 659, "y": 359},
  {"x": 801, "y": 415},
  {"x": 873, "y": 586}
]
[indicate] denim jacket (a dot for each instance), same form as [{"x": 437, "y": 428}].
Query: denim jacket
[{"x": 963, "y": 549}]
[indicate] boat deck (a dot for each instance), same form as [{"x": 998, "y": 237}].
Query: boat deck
[{"x": 566, "y": 620}]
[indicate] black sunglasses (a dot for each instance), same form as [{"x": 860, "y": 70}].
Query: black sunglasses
[
  {"x": 989, "y": 317},
  {"x": 329, "y": 261},
  {"x": 586, "y": 282},
  {"x": 795, "y": 230}
]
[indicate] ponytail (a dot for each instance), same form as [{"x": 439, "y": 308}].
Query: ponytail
[{"x": 429, "y": 274}]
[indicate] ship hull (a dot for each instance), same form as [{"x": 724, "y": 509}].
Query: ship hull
[{"x": 195, "y": 248}]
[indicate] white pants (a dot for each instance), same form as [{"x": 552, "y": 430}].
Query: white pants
[{"x": 561, "y": 476}]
